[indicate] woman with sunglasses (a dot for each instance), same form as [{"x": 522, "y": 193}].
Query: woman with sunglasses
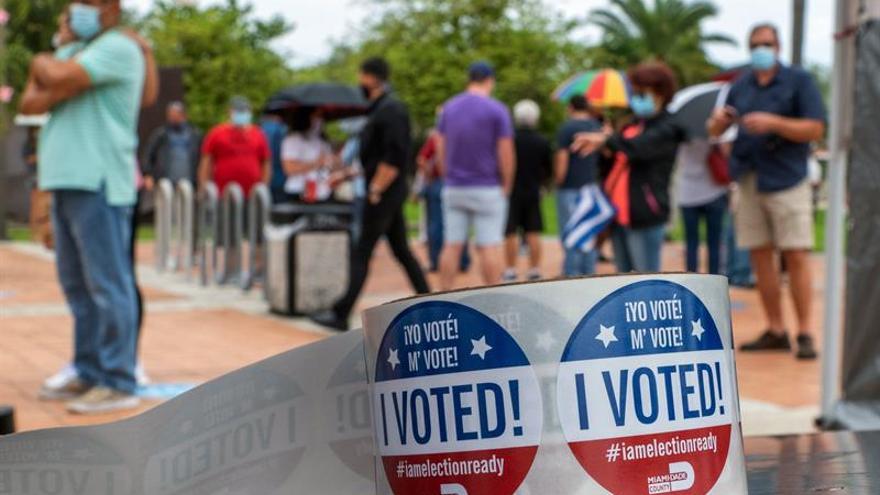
[{"x": 644, "y": 156}]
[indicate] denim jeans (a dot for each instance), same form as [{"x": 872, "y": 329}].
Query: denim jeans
[
  {"x": 576, "y": 262},
  {"x": 637, "y": 250},
  {"x": 738, "y": 265},
  {"x": 92, "y": 246},
  {"x": 433, "y": 194},
  {"x": 713, "y": 212}
]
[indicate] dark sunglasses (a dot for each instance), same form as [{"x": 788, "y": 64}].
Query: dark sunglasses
[{"x": 762, "y": 45}]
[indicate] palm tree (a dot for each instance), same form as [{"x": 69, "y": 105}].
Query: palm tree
[{"x": 670, "y": 31}]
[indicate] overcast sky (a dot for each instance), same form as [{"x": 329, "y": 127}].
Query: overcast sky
[{"x": 319, "y": 22}]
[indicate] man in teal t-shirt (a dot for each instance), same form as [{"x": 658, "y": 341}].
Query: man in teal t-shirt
[{"x": 94, "y": 88}]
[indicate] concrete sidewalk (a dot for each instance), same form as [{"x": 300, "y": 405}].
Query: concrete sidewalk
[{"x": 194, "y": 334}]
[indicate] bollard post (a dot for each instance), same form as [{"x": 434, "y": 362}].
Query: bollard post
[
  {"x": 175, "y": 231},
  {"x": 259, "y": 205},
  {"x": 233, "y": 229},
  {"x": 209, "y": 222},
  {"x": 184, "y": 209},
  {"x": 162, "y": 221}
]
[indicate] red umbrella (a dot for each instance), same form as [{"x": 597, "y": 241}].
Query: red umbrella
[{"x": 731, "y": 74}]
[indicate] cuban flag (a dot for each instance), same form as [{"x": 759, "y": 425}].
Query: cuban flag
[{"x": 592, "y": 214}]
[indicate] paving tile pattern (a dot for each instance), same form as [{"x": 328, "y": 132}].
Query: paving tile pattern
[{"x": 194, "y": 335}]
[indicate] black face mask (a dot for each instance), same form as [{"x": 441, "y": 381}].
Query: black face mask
[
  {"x": 365, "y": 90},
  {"x": 177, "y": 126}
]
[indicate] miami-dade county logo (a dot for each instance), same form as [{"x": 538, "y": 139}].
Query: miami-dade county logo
[
  {"x": 457, "y": 405},
  {"x": 644, "y": 392}
]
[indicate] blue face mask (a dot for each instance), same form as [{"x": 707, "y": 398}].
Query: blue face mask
[
  {"x": 85, "y": 21},
  {"x": 241, "y": 118},
  {"x": 763, "y": 58},
  {"x": 642, "y": 105}
]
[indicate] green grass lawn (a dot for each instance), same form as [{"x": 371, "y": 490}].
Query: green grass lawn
[
  {"x": 414, "y": 209},
  {"x": 19, "y": 233}
]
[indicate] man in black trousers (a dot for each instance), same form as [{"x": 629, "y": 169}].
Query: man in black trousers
[{"x": 385, "y": 146}]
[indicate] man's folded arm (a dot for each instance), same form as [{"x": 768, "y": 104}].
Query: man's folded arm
[{"x": 58, "y": 80}]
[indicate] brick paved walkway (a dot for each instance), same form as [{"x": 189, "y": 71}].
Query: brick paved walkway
[{"x": 193, "y": 334}]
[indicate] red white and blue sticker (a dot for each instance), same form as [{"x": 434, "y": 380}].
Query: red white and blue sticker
[
  {"x": 644, "y": 392},
  {"x": 457, "y": 405}
]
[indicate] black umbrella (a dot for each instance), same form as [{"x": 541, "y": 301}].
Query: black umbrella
[
  {"x": 337, "y": 101},
  {"x": 692, "y": 106}
]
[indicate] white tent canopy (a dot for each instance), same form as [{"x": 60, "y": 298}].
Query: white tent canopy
[{"x": 851, "y": 399}]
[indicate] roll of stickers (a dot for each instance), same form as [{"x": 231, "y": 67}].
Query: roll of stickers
[
  {"x": 622, "y": 385},
  {"x": 298, "y": 422}
]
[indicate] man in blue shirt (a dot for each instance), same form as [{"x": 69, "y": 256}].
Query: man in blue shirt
[
  {"x": 572, "y": 171},
  {"x": 779, "y": 111},
  {"x": 275, "y": 131}
]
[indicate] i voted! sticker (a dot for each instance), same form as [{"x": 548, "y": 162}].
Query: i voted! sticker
[
  {"x": 457, "y": 405},
  {"x": 643, "y": 392}
]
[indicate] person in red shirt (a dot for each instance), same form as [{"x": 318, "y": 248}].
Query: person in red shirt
[
  {"x": 433, "y": 194},
  {"x": 236, "y": 151}
]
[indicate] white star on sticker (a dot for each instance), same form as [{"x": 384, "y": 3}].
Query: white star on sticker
[
  {"x": 480, "y": 347},
  {"x": 697, "y": 329},
  {"x": 606, "y": 335},
  {"x": 393, "y": 360},
  {"x": 545, "y": 341}
]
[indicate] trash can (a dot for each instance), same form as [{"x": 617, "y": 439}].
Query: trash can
[{"x": 307, "y": 256}]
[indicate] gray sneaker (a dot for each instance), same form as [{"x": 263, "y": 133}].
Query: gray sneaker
[
  {"x": 101, "y": 400},
  {"x": 63, "y": 388}
]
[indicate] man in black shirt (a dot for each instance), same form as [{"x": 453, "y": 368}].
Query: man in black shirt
[
  {"x": 385, "y": 147},
  {"x": 533, "y": 168}
]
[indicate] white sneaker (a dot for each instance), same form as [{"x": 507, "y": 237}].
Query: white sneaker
[
  {"x": 140, "y": 376},
  {"x": 509, "y": 275},
  {"x": 100, "y": 400},
  {"x": 64, "y": 385},
  {"x": 59, "y": 379}
]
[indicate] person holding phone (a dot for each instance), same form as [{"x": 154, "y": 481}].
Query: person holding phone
[{"x": 780, "y": 111}]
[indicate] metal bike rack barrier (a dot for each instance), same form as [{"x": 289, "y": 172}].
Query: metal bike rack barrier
[
  {"x": 183, "y": 222},
  {"x": 162, "y": 220},
  {"x": 259, "y": 206},
  {"x": 209, "y": 223},
  {"x": 232, "y": 216}
]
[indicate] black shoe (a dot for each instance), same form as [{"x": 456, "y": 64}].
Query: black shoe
[
  {"x": 806, "y": 349},
  {"x": 330, "y": 319},
  {"x": 768, "y": 341}
]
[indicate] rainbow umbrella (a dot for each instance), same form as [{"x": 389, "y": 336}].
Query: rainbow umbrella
[{"x": 605, "y": 88}]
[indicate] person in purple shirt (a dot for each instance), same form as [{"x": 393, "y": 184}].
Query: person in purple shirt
[{"x": 476, "y": 156}]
